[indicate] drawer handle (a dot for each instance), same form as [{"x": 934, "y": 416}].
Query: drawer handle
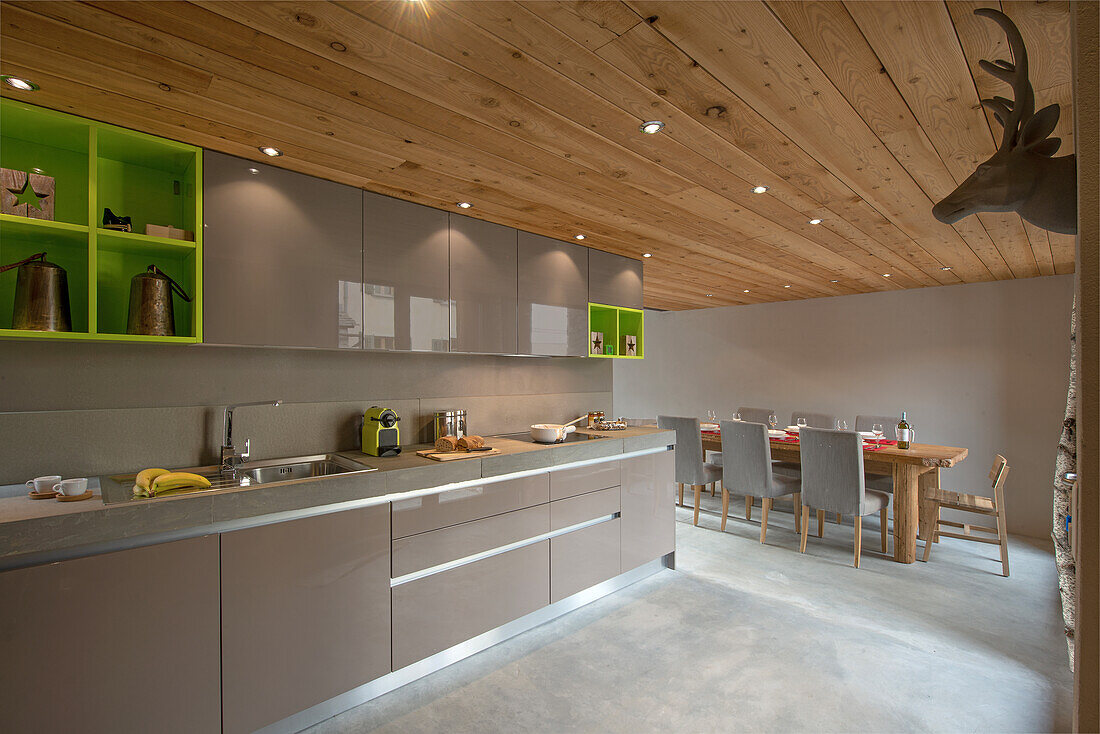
[{"x": 459, "y": 562}]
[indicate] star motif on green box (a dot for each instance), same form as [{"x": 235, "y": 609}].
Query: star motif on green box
[{"x": 27, "y": 195}]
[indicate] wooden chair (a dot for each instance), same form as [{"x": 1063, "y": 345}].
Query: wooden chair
[{"x": 991, "y": 506}]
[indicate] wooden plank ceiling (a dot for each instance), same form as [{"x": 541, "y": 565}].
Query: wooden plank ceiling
[{"x": 862, "y": 114}]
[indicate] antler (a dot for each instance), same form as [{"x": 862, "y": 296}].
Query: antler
[{"x": 1010, "y": 113}]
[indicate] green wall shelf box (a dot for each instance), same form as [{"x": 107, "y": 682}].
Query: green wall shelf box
[
  {"x": 95, "y": 165},
  {"x": 612, "y": 322}
]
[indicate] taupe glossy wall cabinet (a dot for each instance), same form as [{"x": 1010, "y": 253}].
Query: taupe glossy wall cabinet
[
  {"x": 405, "y": 276},
  {"x": 296, "y": 261},
  {"x": 484, "y": 286},
  {"x": 553, "y": 297},
  {"x": 282, "y": 257},
  {"x": 122, "y": 642},
  {"x": 305, "y": 613},
  {"x": 614, "y": 280}
]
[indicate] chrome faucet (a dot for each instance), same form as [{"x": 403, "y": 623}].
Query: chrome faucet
[{"x": 231, "y": 458}]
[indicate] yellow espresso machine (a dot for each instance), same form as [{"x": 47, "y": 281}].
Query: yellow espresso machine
[{"x": 381, "y": 436}]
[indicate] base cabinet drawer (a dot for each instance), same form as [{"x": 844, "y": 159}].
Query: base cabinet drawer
[
  {"x": 420, "y": 552},
  {"x": 571, "y": 482},
  {"x": 434, "y": 511},
  {"x": 305, "y": 613},
  {"x": 583, "y": 558},
  {"x": 648, "y": 504},
  {"x": 140, "y": 655},
  {"x": 442, "y": 610}
]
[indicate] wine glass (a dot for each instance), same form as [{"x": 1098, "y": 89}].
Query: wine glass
[
  {"x": 736, "y": 416},
  {"x": 801, "y": 423},
  {"x": 712, "y": 416},
  {"x": 841, "y": 424},
  {"x": 877, "y": 431},
  {"x": 773, "y": 421}
]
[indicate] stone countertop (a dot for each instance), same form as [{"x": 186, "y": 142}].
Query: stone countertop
[{"x": 33, "y": 529}]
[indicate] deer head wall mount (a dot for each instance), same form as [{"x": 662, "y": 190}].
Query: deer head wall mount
[{"x": 1023, "y": 175}]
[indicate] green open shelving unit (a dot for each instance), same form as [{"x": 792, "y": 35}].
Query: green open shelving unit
[
  {"x": 613, "y": 322},
  {"x": 95, "y": 165}
]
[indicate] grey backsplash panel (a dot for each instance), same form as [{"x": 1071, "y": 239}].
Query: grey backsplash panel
[{"x": 86, "y": 409}]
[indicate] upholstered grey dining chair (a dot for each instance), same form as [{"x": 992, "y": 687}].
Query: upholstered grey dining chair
[
  {"x": 756, "y": 415},
  {"x": 690, "y": 466},
  {"x": 832, "y": 481},
  {"x": 814, "y": 420},
  {"x": 748, "y": 472},
  {"x": 889, "y": 423}
]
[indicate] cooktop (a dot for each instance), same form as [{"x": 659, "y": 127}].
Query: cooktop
[{"x": 570, "y": 438}]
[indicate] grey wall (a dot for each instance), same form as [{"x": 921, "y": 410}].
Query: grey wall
[
  {"x": 984, "y": 366},
  {"x": 80, "y": 409}
]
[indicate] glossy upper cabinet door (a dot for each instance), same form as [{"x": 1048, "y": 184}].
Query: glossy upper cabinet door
[
  {"x": 406, "y": 296},
  {"x": 553, "y": 297},
  {"x": 282, "y": 257},
  {"x": 484, "y": 285},
  {"x": 614, "y": 280}
]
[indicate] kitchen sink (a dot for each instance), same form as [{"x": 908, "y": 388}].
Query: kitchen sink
[
  {"x": 303, "y": 467},
  {"x": 248, "y": 474}
]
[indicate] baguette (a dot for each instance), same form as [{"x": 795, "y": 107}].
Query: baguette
[
  {"x": 446, "y": 444},
  {"x": 471, "y": 442}
]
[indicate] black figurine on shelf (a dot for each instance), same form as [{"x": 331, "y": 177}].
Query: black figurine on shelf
[{"x": 110, "y": 221}]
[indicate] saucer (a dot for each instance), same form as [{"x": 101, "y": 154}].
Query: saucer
[
  {"x": 41, "y": 496},
  {"x": 76, "y": 497}
]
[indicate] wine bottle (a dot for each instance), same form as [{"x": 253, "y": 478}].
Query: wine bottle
[{"x": 903, "y": 432}]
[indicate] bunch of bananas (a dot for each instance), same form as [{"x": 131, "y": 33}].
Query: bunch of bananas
[{"x": 151, "y": 482}]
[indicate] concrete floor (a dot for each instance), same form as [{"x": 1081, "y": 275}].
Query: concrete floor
[{"x": 744, "y": 637}]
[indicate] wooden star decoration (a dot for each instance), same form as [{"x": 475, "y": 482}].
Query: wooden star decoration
[
  {"x": 27, "y": 195},
  {"x": 597, "y": 345}
]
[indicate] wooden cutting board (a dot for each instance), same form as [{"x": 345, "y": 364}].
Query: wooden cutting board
[{"x": 453, "y": 455}]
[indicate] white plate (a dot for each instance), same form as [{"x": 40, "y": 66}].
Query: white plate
[
  {"x": 866, "y": 434},
  {"x": 708, "y": 426},
  {"x": 793, "y": 429},
  {"x": 776, "y": 433}
]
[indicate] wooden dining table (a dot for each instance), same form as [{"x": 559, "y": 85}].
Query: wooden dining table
[{"x": 915, "y": 470}]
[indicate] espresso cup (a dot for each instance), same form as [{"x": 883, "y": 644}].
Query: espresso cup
[
  {"x": 43, "y": 485},
  {"x": 72, "y": 487}
]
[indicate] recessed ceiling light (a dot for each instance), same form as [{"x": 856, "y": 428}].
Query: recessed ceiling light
[
  {"x": 253, "y": 171},
  {"x": 651, "y": 127},
  {"x": 745, "y": 291},
  {"x": 270, "y": 151},
  {"x": 647, "y": 254},
  {"x": 759, "y": 189},
  {"x": 710, "y": 295},
  {"x": 23, "y": 85},
  {"x": 815, "y": 221},
  {"x": 578, "y": 236},
  {"x": 786, "y": 286},
  {"x": 885, "y": 275},
  {"x": 38, "y": 170},
  {"x": 834, "y": 281},
  {"x": 945, "y": 267},
  {"x": 464, "y": 205}
]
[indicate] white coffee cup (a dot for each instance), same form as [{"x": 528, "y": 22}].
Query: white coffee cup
[
  {"x": 43, "y": 485},
  {"x": 72, "y": 487}
]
